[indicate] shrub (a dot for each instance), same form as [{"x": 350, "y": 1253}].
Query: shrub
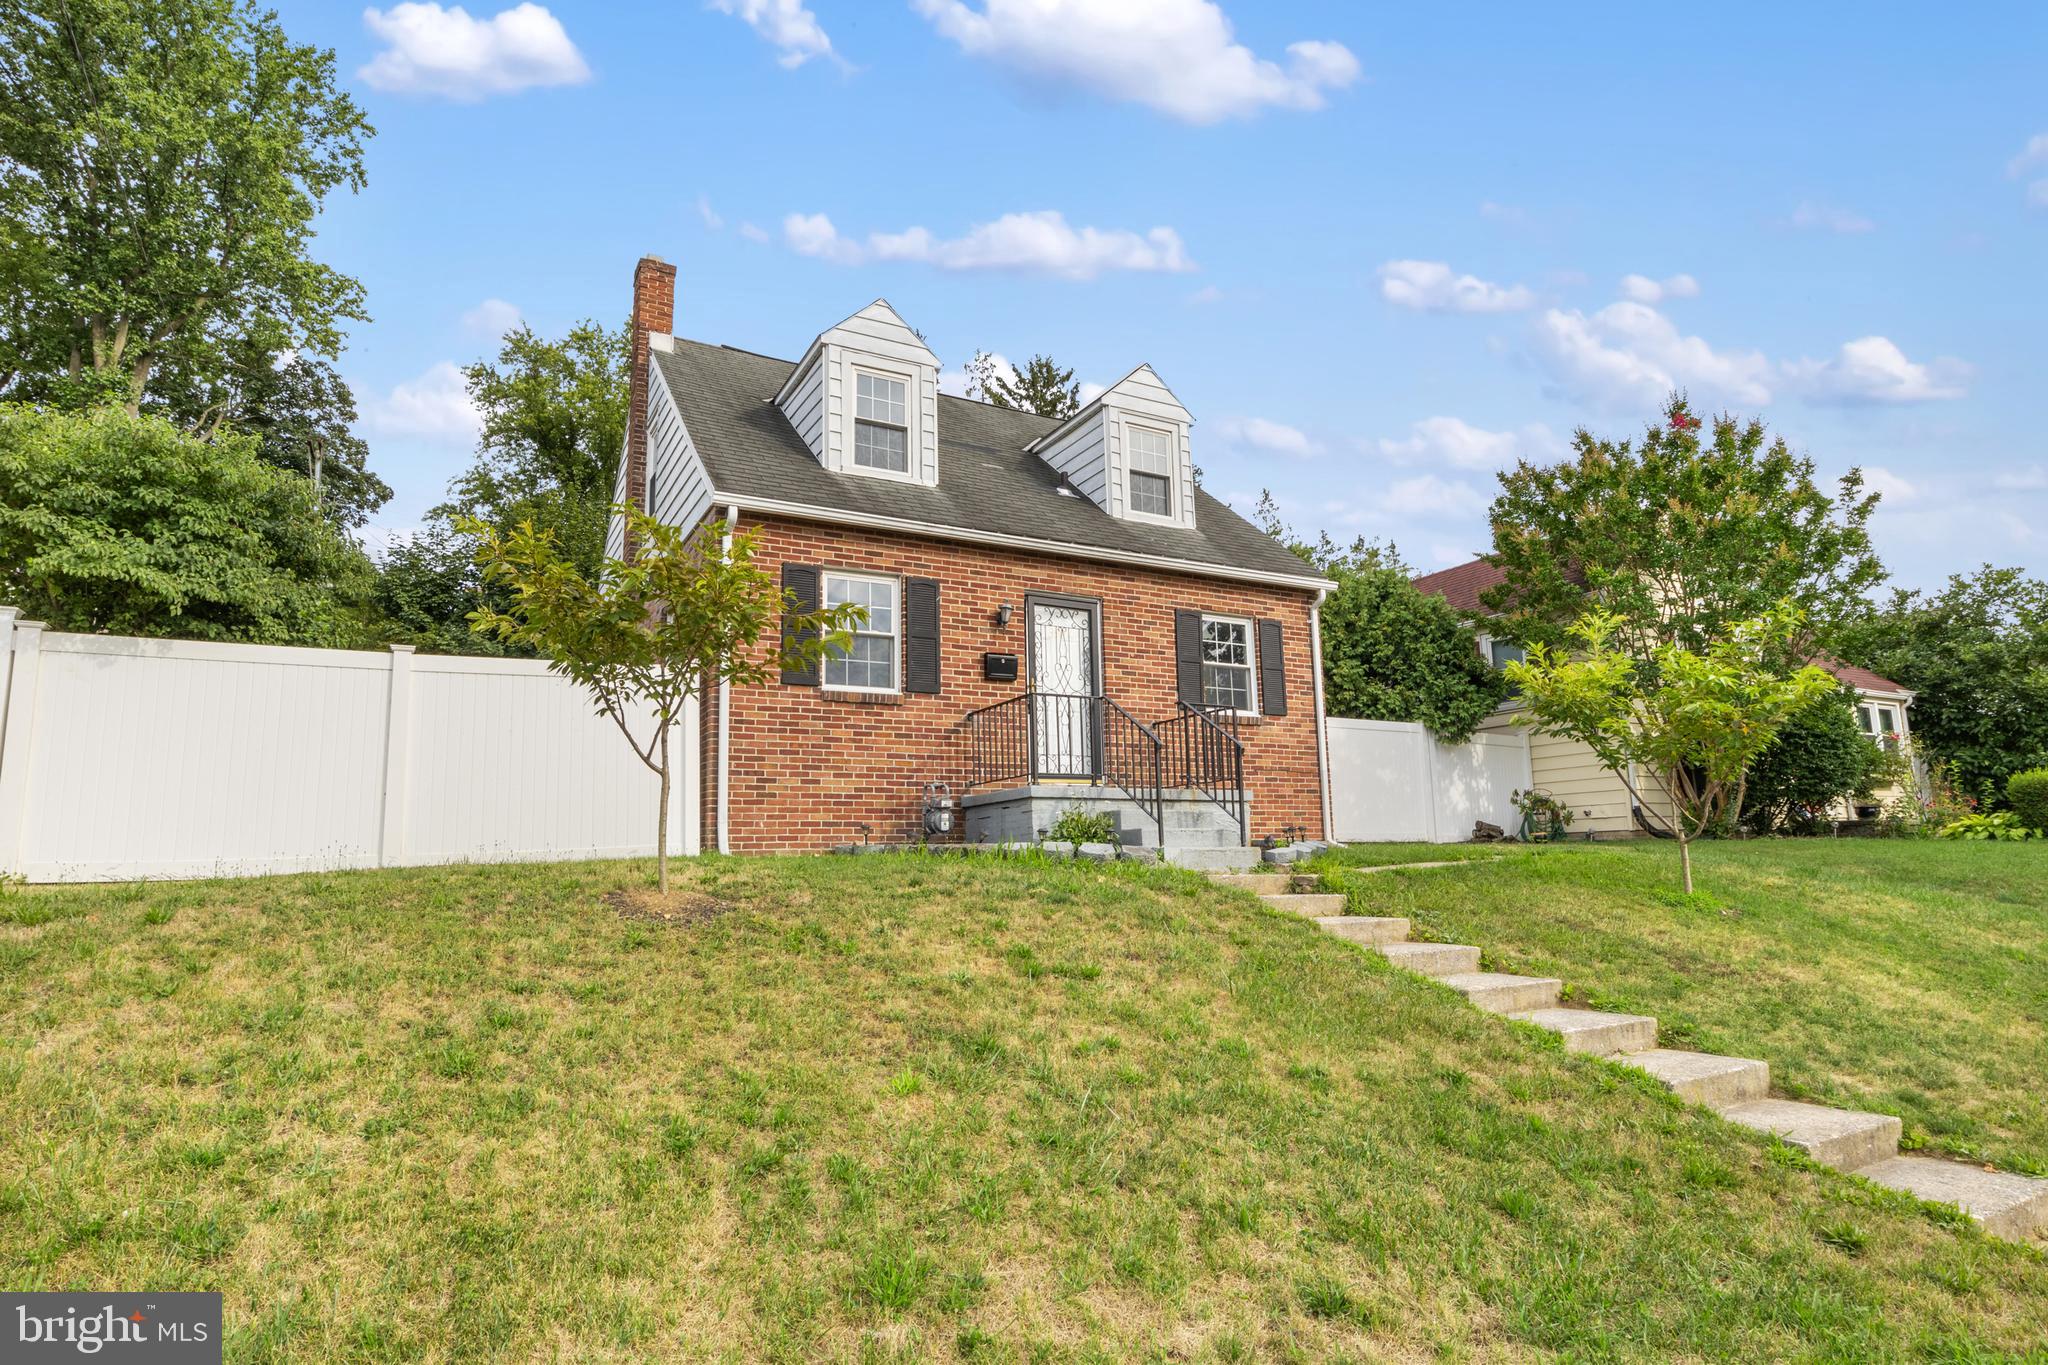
[
  {"x": 2027, "y": 794},
  {"x": 2001, "y": 825},
  {"x": 1077, "y": 826},
  {"x": 1820, "y": 757}
]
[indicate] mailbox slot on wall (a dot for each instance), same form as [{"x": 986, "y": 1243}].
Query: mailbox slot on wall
[{"x": 999, "y": 667}]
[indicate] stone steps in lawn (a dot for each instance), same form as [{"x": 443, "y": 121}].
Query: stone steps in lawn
[
  {"x": 1594, "y": 1032},
  {"x": 2010, "y": 1206},
  {"x": 1314, "y": 904},
  {"x": 1432, "y": 959},
  {"x": 1504, "y": 992},
  {"x": 1371, "y": 930},
  {"x": 1845, "y": 1139},
  {"x": 1703, "y": 1078}
]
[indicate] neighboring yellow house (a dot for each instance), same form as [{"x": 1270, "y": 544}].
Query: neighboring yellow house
[{"x": 1598, "y": 799}]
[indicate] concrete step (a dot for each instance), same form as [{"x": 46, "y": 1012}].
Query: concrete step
[
  {"x": 1266, "y": 883},
  {"x": 1308, "y": 903},
  {"x": 1368, "y": 929},
  {"x": 1595, "y": 1033},
  {"x": 1202, "y": 837},
  {"x": 1842, "y": 1138},
  {"x": 1503, "y": 993},
  {"x": 2011, "y": 1206},
  {"x": 1703, "y": 1078},
  {"x": 1203, "y": 859},
  {"x": 1432, "y": 959}
]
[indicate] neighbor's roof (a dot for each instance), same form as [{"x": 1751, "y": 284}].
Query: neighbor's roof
[
  {"x": 1461, "y": 584},
  {"x": 987, "y": 483}
]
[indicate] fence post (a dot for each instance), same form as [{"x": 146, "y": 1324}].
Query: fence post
[
  {"x": 1431, "y": 795},
  {"x": 397, "y": 757},
  {"x": 21, "y": 644}
]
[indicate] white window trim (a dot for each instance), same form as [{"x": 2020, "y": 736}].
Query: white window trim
[
  {"x": 1251, "y": 664},
  {"x": 913, "y": 442},
  {"x": 895, "y": 637},
  {"x": 1175, "y": 493}
]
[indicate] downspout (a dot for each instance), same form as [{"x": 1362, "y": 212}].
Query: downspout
[
  {"x": 732, "y": 516},
  {"x": 1315, "y": 644}
]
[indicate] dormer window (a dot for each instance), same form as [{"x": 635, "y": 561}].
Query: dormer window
[
  {"x": 1152, "y": 468},
  {"x": 881, "y": 431}
]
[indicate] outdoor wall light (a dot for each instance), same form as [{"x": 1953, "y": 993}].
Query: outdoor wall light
[{"x": 1003, "y": 614}]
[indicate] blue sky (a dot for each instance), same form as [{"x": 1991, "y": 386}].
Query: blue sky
[{"x": 1379, "y": 252}]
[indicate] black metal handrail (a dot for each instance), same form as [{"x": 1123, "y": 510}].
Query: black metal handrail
[
  {"x": 1204, "y": 752},
  {"x": 1068, "y": 735}
]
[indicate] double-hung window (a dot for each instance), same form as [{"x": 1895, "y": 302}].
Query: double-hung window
[
  {"x": 1151, "y": 470},
  {"x": 881, "y": 431},
  {"x": 1880, "y": 723},
  {"x": 1227, "y": 663},
  {"x": 868, "y": 663}
]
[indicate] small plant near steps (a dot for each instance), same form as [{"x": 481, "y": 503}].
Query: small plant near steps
[{"x": 1737, "y": 1088}]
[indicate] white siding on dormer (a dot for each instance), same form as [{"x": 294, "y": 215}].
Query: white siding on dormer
[
  {"x": 1090, "y": 451},
  {"x": 681, "y": 486},
  {"x": 819, "y": 401}
]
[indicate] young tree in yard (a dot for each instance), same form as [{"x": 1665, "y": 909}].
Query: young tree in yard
[
  {"x": 687, "y": 613},
  {"x": 1678, "y": 536},
  {"x": 161, "y": 166},
  {"x": 1692, "y": 721},
  {"x": 1976, "y": 656}
]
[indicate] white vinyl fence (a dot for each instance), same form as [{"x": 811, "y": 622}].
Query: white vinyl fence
[
  {"x": 126, "y": 757},
  {"x": 1391, "y": 781}
]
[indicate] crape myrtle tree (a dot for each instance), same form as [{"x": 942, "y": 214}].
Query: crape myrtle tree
[
  {"x": 686, "y": 614},
  {"x": 1689, "y": 725}
]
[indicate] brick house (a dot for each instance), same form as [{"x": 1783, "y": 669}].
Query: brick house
[{"x": 1059, "y": 615}]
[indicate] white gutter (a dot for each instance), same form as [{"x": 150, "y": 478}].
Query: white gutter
[
  {"x": 931, "y": 530},
  {"x": 732, "y": 516},
  {"x": 1315, "y": 644}
]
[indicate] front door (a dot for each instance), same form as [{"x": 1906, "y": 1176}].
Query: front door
[{"x": 1063, "y": 662}]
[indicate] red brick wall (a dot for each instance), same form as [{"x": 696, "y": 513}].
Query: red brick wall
[{"x": 807, "y": 767}]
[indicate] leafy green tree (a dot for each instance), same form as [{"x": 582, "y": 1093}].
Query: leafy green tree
[
  {"x": 1691, "y": 722},
  {"x": 1677, "y": 537},
  {"x": 1042, "y": 386},
  {"x": 554, "y": 426},
  {"x": 427, "y": 586},
  {"x": 128, "y": 525},
  {"x": 161, "y": 166},
  {"x": 687, "y": 614},
  {"x": 1821, "y": 756},
  {"x": 1976, "y": 656}
]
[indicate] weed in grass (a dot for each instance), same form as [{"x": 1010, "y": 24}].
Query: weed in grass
[
  {"x": 1701, "y": 1172},
  {"x": 1519, "y": 1205},
  {"x": 891, "y": 1276},
  {"x": 906, "y": 1082},
  {"x": 1846, "y": 1237},
  {"x": 971, "y": 1342}
]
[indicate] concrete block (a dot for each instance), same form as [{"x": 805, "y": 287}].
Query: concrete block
[
  {"x": 1432, "y": 959},
  {"x": 1312, "y": 903},
  {"x": 1137, "y": 854},
  {"x": 1238, "y": 859},
  {"x": 1057, "y": 848},
  {"x": 1266, "y": 883},
  {"x": 1505, "y": 993},
  {"x": 1703, "y": 1078},
  {"x": 1283, "y": 856},
  {"x": 1097, "y": 853},
  {"x": 1842, "y": 1138},
  {"x": 1593, "y": 1032},
  {"x": 1367, "y": 929},
  {"x": 2011, "y": 1206}
]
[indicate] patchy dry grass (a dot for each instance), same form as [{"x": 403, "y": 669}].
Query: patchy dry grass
[
  {"x": 1906, "y": 976},
  {"x": 889, "y": 1108}
]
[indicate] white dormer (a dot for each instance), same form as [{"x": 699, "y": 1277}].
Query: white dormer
[
  {"x": 865, "y": 398},
  {"x": 1129, "y": 452}
]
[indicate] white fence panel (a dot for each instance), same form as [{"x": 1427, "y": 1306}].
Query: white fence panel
[
  {"x": 124, "y": 757},
  {"x": 1391, "y": 781}
]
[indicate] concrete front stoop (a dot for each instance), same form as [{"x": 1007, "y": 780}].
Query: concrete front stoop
[{"x": 1737, "y": 1088}]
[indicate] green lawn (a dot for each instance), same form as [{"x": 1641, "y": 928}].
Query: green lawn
[
  {"x": 896, "y": 1108},
  {"x": 1904, "y": 976}
]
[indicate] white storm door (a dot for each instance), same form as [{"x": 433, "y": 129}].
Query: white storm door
[{"x": 1063, "y": 684}]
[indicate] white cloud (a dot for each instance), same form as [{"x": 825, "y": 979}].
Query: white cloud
[
  {"x": 492, "y": 318},
  {"x": 1176, "y": 56},
  {"x": 955, "y": 381},
  {"x": 1814, "y": 216},
  {"x": 431, "y": 50},
  {"x": 753, "y": 232},
  {"x": 2031, "y": 479},
  {"x": 1035, "y": 243},
  {"x": 1457, "y": 443},
  {"x": 1895, "y": 489},
  {"x": 1874, "y": 370},
  {"x": 1266, "y": 436},
  {"x": 1511, "y": 214},
  {"x": 1629, "y": 356},
  {"x": 784, "y": 24},
  {"x": 1090, "y": 391},
  {"x": 1643, "y": 289},
  {"x": 1432, "y": 287},
  {"x": 1426, "y": 495},
  {"x": 2032, "y": 157},
  {"x": 433, "y": 407},
  {"x": 709, "y": 215}
]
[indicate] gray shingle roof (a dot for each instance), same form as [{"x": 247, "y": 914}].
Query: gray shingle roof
[{"x": 987, "y": 482}]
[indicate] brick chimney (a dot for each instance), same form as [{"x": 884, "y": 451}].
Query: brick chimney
[{"x": 654, "y": 310}]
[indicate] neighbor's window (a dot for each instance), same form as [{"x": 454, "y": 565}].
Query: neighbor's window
[
  {"x": 1881, "y": 723},
  {"x": 1505, "y": 652},
  {"x": 868, "y": 663},
  {"x": 881, "y": 435},
  {"x": 1151, "y": 471},
  {"x": 1227, "y": 663}
]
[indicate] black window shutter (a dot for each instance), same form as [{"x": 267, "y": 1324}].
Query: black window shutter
[
  {"x": 1187, "y": 656},
  {"x": 800, "y": 581},
  {"x": 921, "y": 640},
  {"x": 1272, "y": 670}
]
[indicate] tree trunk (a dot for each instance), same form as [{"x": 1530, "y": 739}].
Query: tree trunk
[
  {"x": 661, "y": 835},
  {"x": 1684, "y": 847}
]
